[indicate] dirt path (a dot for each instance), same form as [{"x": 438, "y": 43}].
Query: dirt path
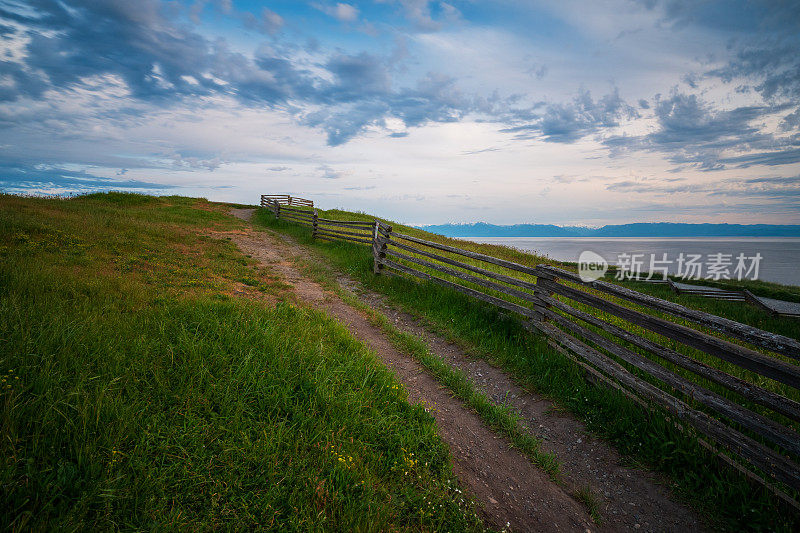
[
  {"x": 630, "y": 499},
  {"x": 511, "y": 489}
]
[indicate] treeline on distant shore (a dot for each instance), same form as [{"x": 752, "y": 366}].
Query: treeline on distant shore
[{"x": 644, "y": 229}]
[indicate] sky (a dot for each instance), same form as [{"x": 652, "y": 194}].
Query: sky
[{"x": 420, "y": 111}]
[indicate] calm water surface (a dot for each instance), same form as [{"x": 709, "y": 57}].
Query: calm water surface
[{"x": 780, "y": 261}]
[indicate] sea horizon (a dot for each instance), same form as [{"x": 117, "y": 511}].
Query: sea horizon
[{"x": 778, "y": 263}]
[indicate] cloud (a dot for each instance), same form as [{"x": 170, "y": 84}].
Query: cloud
[
  {"x": 419, "y": 13},
  {"x": 268, "y": 22},
  {"x": 690, "y": 131},
  {"x": 328, "y": 173},
  {"x": 774, "y": 187},
  {"x": 566, "y": 123},
  {"x": 66, "y": 44},
  {"x": 365, "y": 99},
  {"x": 180, "y": 161},
  {"x": 774, "y": 158},
  {"x": 772, "y": 67},
  {"x": 357, "y": 77},
  {"x": 161, "y": 63},
  {"x": 341, "y": 12},
  {"x": 21, "y": 178},
  {"x": 480, "y": 151}
]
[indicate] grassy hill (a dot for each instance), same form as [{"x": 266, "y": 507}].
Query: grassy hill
[
  {"x": 153, "y": 377},
  {"x": 646, "y": 436}
]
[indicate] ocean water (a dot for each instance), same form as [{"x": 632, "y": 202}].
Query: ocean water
[{"x": 779, "y": 263}]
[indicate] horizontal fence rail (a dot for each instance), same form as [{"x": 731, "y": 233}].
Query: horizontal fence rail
[
  {"x": 733, "y": 384},
  {"x": 321, "y": 228},
  {"x": 285, "y": 199},
  {"x": 347, "y": 230}
]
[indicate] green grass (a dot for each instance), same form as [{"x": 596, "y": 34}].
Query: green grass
[
  {"x": 139, "y": 392},
  {"x": 647, "y": 437},
  {"x": 587, "y": 496},
  {"x": 501, "y": 418}
]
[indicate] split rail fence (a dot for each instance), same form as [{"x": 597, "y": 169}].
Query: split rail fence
[
  {"x": 285, "y": 199},
  {"x": 733, "y": 384}
]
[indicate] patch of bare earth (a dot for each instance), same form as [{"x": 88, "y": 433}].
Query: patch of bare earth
[{"x": 510, "y": 488}]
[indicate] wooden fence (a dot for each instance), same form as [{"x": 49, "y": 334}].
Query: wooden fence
[
  {"x": 285, "y": 199},
  {"x": 322, "y": 228},
  {"x": 728, "y": 381}
]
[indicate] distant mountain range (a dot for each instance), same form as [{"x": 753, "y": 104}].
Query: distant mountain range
[{"x": 657, "y": 229}]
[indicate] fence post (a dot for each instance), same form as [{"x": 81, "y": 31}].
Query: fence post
[
  {"x": 378, "y": 246},
  {"x": 277, "y": 210},
  {"x": 541, "y": 291},
  {"x": 314, "y": 225},
  {"x": 290, "y": 201}
]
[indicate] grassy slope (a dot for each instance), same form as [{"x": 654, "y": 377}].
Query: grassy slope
[
  {"x": 645, "y": 437},
  {"x": 138, "y": 391}
]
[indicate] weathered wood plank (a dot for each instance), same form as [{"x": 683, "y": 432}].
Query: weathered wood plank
[
  {"x": 286, "y": 216},
  {"x": 344, "y": 237},
  {"x": 307, "y": 214},
  {"x": 343, "y": 227},
  {"x": 303, "y": 221},
  {"x": 466, "y": 253},
  {"x": 286, "y": 213},
  {"x": 346, "y": 222},
  {"x": 755, "y": 422},
  {"x": 287, "y": 200},
  {"x": 777, "y": 466},
  {"x": 466, "y": 266},
  {"x": 296, "y": 211},
  {"x": 733, "y": 353},
  {"x": 598, "y": 378},
  {"x": 776, "y": 402},
  {"x": 363, "y": 234},
  {"x": 464, "y": 276},
  {"x": 758, "y": 337},
  {"x": 460, "y": 288}
]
